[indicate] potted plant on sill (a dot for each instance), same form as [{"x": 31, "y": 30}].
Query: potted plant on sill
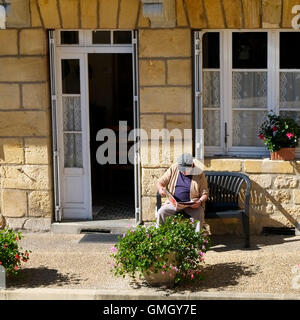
[
  {"x": 280, "y": 135},
  {"x": 163, "y": 256}
]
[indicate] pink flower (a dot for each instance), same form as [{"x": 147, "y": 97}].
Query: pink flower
[
  {"x": 274, "y": 128},
  {"x": 164, "y": 266},
  {"x": 113, "y": 249},
  {"x": 192, "y": 276},
  {"x": 162, "y": 272},
  {"x": 201, "y": 254},
  {"x": 0, "y": 263},
  {"x": 124, "y": 235},
  {"x": 203, "y": 247},
  {"x": 290, "y": 135},
  {"x": 119, "y": 265},
  {"x": 4, "y": 246},
  {"x": 16, "y": 267},
  {"x": 192, "y": 220}
]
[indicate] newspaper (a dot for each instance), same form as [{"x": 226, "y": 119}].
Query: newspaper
[{"x": 177, "y": 204}]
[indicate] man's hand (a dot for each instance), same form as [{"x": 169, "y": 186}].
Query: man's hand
[
  {"x": 200, "y": 201},
  {"x": 197, "y": 204}
]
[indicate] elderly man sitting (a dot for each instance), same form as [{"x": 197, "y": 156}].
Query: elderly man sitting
[{"x": 186, "y": 181}]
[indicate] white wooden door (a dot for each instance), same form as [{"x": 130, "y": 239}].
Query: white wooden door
[{"x": 73, "y": 136}]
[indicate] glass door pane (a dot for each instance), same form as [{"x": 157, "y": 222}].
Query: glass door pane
[
  {"x": 211, "y": 89},
  {"x": 249, "y": 86},
  {"x": 71, "y": 104},
  {"x": 289, "y": 75}
]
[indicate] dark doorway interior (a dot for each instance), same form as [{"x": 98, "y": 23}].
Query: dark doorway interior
[{"x": 111, "y": 101}]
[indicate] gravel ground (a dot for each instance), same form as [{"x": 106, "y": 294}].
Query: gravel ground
[{"x": 82, "y": 261}]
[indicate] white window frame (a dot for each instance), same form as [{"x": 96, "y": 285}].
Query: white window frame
[
  {"x": 273, "y": 83},
  {"x": 86, "y": 41}
]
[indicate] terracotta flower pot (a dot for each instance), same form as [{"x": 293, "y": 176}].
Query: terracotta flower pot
[
  {"x": 283, "y": 154},
  {"x": 162, "y": 278}
]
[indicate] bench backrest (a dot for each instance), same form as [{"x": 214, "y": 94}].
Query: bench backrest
[{"x": 224, "y": 189}]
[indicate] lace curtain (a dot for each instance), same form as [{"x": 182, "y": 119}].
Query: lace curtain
[
  {"x": 211, "y": 99},
  {"x": 249, "y": 90},
  {"x": 72, "y": 140},
  {"x": 289, "y": 89}
]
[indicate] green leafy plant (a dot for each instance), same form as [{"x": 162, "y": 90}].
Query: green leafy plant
[
  {"x": 11, "y": 255},
  {"x": 279, "y": 132},
  {"x": 144, "y": 248}
]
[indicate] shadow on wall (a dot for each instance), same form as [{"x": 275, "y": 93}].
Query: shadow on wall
[
  {"x": 265, "y": 203},
  {"x": 1, "y": 152}
]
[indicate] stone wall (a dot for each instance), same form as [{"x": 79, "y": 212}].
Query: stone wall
[
  {"x": 165, "y": 67},
  {"x": 88, "y": 14},
  {"x": 127, "y": 14},
  {"x": 25, "y": 166}
]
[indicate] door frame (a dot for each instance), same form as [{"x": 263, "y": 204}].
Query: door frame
[{"x": 82, "y": 49}]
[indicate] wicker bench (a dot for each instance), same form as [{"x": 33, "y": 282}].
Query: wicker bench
[{"x": 223, "y": 201}]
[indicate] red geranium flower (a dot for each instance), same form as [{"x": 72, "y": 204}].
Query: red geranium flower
[
  {"x": 17, "y": 257},
  {"x": 274, "y": 128},
  {"x": 261, "y": 136}
]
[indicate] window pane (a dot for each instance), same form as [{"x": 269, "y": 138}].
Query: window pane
[
  {"x": 211, "y": 126},
  {"x": 70, "y": 76},
  {"x": 289, "y": 89},
  {"x": 249, "y": 50},
  {"x": 72, "y": 113},
  {"x": 69, "y": 37},
  {"x": 211, "y": 89},
  {"x": 122, "y": 37},
  {"x": 73, "y": 150},
  {"x": 289, "y": 50},
  {"x": 249, "y": 89},
  {"x": 245, "y": 128},
  {"x": 211, "y": 50},
  {"x": 101, "y": 37}
]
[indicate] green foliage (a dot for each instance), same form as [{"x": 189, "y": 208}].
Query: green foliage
[
  {"x": 144, "y": 248},
  {"x": 279, "y": 132},
  {"x": 11, "y": 254}
]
